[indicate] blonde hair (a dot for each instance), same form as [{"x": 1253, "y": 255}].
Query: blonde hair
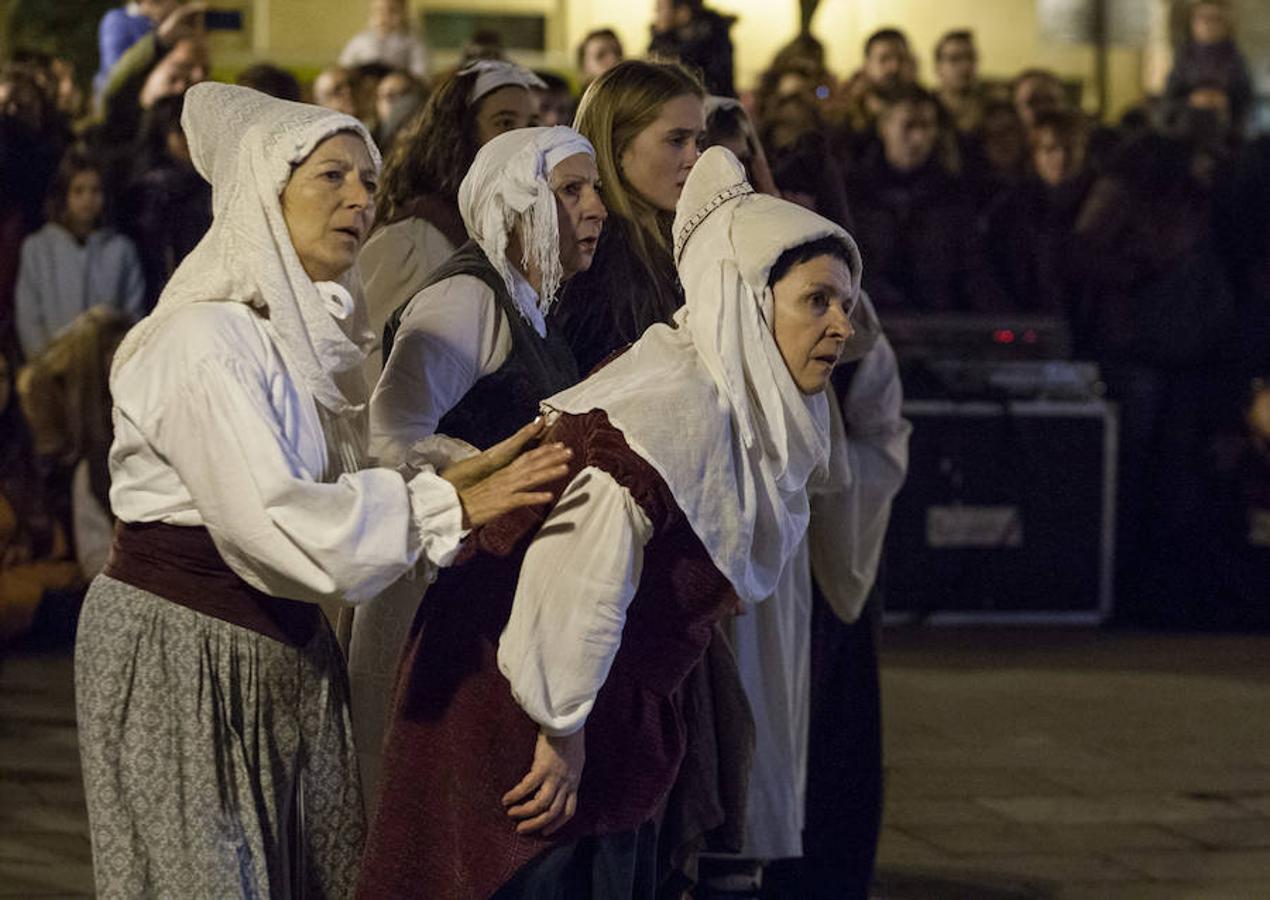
[{"x": 614, "y": 110}]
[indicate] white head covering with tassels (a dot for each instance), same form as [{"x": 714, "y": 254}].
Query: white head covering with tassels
[
  {"x": 710, "y": 404},
  {"x": 246, "y": 145},
  {"x": 507, "y": 187}
]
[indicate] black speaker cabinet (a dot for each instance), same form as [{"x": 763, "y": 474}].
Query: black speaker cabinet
[{"x": 1007, "y": 515}]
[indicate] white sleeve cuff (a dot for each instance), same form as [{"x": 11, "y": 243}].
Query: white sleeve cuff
[{"x": 437, "y": 515}]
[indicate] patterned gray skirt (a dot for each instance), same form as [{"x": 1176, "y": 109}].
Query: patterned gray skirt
[{"x": 217, "y": 762}]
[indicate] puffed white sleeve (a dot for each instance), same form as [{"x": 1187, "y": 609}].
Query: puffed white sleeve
[
  {"x": 869, "y": 457},
  {"x": 275, "y": 524},
  {"x": 577, "y": 580},
  {"x": 452, "y": 334}
]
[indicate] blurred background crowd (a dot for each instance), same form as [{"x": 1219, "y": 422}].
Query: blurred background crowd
[{"x": 1146, "y": 235}]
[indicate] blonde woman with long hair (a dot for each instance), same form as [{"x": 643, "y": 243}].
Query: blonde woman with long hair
[{"x": 645, "y": 121}]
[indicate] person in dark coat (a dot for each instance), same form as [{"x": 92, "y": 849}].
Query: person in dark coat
[
  {"x": 1209, "y": 56},
  {"x": 913, "y": 218},
  {"x": 698, "y": 37},
  {"x": 1027, "y": 229}
]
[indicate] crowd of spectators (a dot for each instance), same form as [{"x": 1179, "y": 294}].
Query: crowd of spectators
[{"x": 1149, "y": 237}]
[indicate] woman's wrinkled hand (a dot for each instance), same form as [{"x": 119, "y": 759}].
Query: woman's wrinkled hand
[
  {"x": 547, "y": 797},
  {"x": 505, "y": 477}
]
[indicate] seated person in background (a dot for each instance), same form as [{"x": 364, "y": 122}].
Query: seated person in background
[
  {"x": 73, "y": 262},
  {"x": 599, "y": 51},
  {"x": 913, "y": 218},
  {"x": 122, "y": 27},
  {"x": 333, "y": 89},
  {"x": 1027, "y": 229},
  {"x": 65, "y": 395},
  {"x": 387, "y": 39},
  {"x": 35, "y": 557}
]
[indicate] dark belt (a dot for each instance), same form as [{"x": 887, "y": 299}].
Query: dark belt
[{"x": 182, "y": 564}]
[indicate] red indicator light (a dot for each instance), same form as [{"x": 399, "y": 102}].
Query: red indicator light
[
  {"x": 1003, "y": 336},
  {"x": 1029, "y": 336}
]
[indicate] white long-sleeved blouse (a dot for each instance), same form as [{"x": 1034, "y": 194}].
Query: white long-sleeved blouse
[
  {"x": 577, "y": 580},
  {"x": 452, "y": 335},
  {"x": 211, "y": 429}
]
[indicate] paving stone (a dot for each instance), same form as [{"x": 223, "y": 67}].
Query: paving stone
[
  {"x": 1228, "y": 834},
  {"x": 1198, "y": 866},
  {"x": 1048, "y": 870},
  {"x": 936, "y": 812},
  {"x": 63, "y": 879},
  {"x": 1129, "y": 808},
  {"x": 1257, "y": 803},
  {"x": 45, "y": 847},
  {"x": 1157, "y": 890},
  {"x": 905, "y": 783},
  {"x": 1008, "y": 838},
  {"x": 898, "y": 847},
  {"x": 1150, "y": 780}
]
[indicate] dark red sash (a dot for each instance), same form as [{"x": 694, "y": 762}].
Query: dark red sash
[{"x": 182, "y": 564}]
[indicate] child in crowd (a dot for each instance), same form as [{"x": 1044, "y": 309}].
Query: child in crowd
[
  {"x": 73, "y": 262},
  {"x": 388, "y": 40}
]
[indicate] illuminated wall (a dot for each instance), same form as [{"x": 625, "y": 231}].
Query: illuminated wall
[{"x": 310, "y": 33}]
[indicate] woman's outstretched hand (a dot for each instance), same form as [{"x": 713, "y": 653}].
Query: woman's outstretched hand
[
  {"x": 505, "y": 477},
  {"x": 547, "y": 797}
]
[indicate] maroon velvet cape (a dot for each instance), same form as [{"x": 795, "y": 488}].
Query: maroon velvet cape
[{"x": 458, "y": 741}]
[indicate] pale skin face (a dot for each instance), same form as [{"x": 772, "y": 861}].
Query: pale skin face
[
  {"x": 333, "y": 89},
  {"x": 813, "y": 319},
  {"x": 908, "y": 132},
  {"x": 1052, "y": 158},
  {"x": 658, "y": 160},
  {"x": 580, "y": 216},
  {"x": 83, "y": 202},
  {"x": 579, "y": 210},
  {"x": 598, "y": 56},
  {"x": 884, "y": 66},
  {"x": 1037, "y": 94},
  {"x": 503, "y": 110},
  {"x": 328, "y": 205},
  {"x": 387, "y": 16},
  {"x": 956, "y": 66},
  {"x": 1209, "y": 24},
  {"x": 391, "y": 88}
]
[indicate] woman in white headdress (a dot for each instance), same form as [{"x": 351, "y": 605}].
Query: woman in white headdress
[
  {"x": 417, "y": 220},
  {"x": 537, "y": 728},
  {"x": 212, "y": 697},
  {"x": 471, "y": 357}
]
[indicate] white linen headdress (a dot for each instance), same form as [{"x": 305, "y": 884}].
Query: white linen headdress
[
  {"x": 508, "y": 185},
  {"x": 710, "y": 404},
  {"x": 493, "y": 74},
  {"x": 246, "y": 144}
]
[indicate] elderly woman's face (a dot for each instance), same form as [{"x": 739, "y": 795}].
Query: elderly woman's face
[
  {"x": 813, "y": 319},
  {"x": 579, "y": 210},
  {"x": 328, "y": 205}
]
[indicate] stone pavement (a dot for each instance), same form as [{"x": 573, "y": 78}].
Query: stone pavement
[{"x": 1020, "y": 765}]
